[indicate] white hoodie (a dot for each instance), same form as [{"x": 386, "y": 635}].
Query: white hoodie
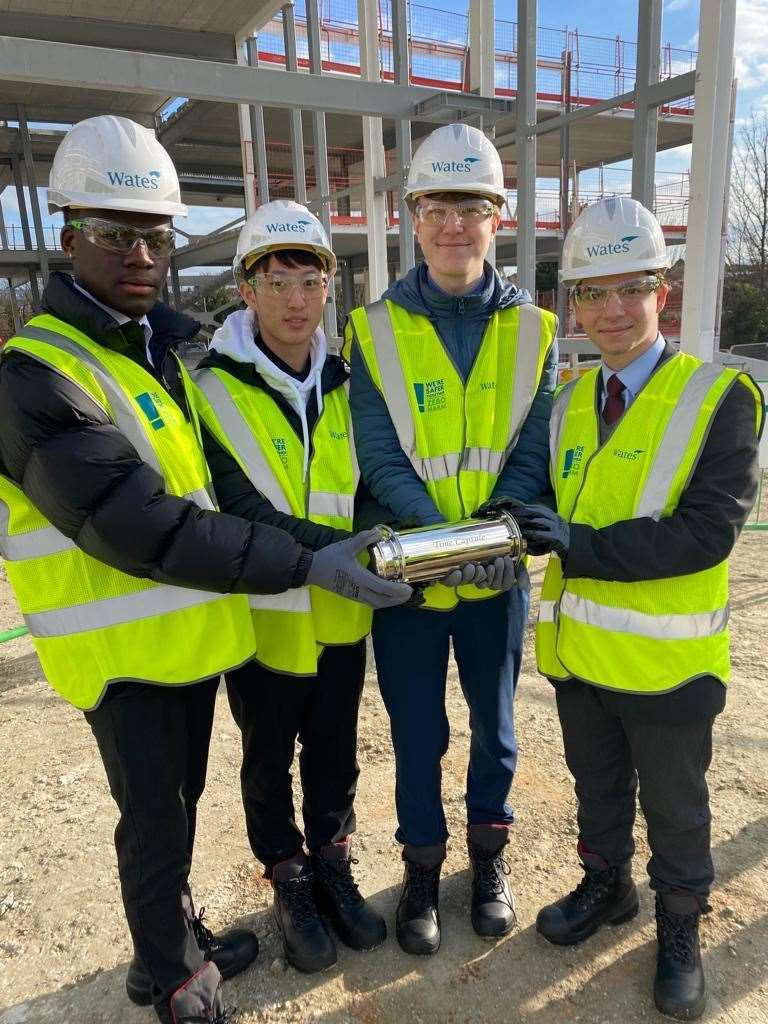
[{"x": 235, "y": 339}]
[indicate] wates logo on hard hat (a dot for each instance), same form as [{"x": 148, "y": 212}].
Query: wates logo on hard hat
[
  {"x": 150, "y": 180},
  {"x": 298, "y": 227},
  {"x": 454, "y": 166},
  {"x": 612, "y": 248}
]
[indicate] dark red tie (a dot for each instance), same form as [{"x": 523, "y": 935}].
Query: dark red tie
[{"x": 614, "y": 403}]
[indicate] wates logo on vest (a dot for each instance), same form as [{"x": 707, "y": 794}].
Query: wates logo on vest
[
  {"x": 454, "y": 166},
  {"x": 148, "y": 405},
  {"x": 150, "y": 180},
  {"x": 628, "y": 454},
  {"x": 339, "y": 435},
  {"x": 281, "y": 449},
  {"x": 430, "y": 395},
  {"x": 572, "y": 461},
  {"x": 488, "y": 385},
  {"x": 612, "y": 248}
]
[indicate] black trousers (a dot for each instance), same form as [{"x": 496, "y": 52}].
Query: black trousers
[
  {"x": 154, "y": 743},
  {"x": 272, "y": 711},
  {"x": 612, "y": 753}
]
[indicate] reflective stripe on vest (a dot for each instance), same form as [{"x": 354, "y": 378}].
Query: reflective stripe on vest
[
  {"x": 91, "y": 623},
  {"x": 290, "y": 628},
  {"x": 653, "y": 635},
  {"x": 398, "y": 403}
]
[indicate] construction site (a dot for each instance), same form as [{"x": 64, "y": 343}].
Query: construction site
[{"x": 325, "y": 102}]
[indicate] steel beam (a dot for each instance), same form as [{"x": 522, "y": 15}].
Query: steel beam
[
  {"x": 403, "y": 143},
  {"x": 29, "y": 168},
  {"x": 714, "y": 76},
  {"x": 322, "y": 178},
  {"x": 671, "y": 89},
  {"x": 89, "y": 67},
  {"x": 296, "y": 126},
  {"x": 645, "y": 125},
  {"x": 526, "y": 145}
]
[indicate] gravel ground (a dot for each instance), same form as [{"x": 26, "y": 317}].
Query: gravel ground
[{"x": 64, "y": 947}]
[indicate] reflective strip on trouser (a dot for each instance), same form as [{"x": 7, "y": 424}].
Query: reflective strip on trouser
[
  {"x": 241, "y": 438},
  {"x": 396, "y": 395}
]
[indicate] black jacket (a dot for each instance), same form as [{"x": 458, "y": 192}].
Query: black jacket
[
  {"x": 234, "y": 491},
  {"x": 699, "y": 534},
  {"x": 85, "y": 476}
]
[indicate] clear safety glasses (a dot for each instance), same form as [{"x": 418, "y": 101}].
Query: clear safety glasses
[
  {"x": 282, "y": 286},
  {"x": 470, "y": 211},
  {"x": 629, "y": 293},
  {"x": 121, "y": 238}
]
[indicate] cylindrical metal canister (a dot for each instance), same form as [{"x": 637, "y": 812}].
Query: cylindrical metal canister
[{"x": 429, "y": 553}]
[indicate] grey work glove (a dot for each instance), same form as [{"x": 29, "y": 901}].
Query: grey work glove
[
  {"x": 500, "y": 574},
  {"x": 471, "y": 572},
  {"x": 337, "y": 569},
  {"x": 544, "y": 530}
]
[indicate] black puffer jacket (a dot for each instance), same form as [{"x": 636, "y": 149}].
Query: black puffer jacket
[{"x": 86, "y": 477}]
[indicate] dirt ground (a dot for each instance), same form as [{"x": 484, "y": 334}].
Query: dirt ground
[{"x": 64, "y": 947}]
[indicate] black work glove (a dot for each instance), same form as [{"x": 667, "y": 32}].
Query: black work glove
[{"x": 543, "y": 529}]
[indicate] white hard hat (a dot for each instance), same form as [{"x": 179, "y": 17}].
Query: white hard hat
[
  {"x": 112, "y": 163},
  {"x": 456, "y": 158},
  {"x": 282, "y": 224},
  {"x": 613, "y": 236}
]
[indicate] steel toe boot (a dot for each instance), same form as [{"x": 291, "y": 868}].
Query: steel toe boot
[
  {"x": 493, "y": 907},
  {"x": 306, "y": 943},
  {"x": 338, "y": 898},
  {"x": 418, "y": 916},
  {"x": 679, "y": 988}
]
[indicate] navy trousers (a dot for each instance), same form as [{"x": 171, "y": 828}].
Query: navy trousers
[{"x": 412, "y": 647}]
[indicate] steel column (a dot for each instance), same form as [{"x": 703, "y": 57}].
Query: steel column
[
  {"x": 401, "y": 61},
  {"x": 714, "y": 76},
  {"x": 175, "y": 285},
  {"x": 24, "y": 218},
  {"x": 482, "y": 67},
  {"x": 29, "y": 167},
  {"x": 347, "y": 286},
  {"x": 377, "y": 277},
  {"x": 321, "y": 154},
  {"x": 258, "y": 136},
  {"x": 296, "y": 127},
  {"x": 246, "y": 140},
  {"x": 565, "y": 177},
  {"x": 17, "y": 324},
  {"x": 645, "y": 126},
  {"x": 526, "y": 144}
]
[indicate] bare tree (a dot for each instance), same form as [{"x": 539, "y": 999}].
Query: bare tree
[{"x": 747, "y": 251}]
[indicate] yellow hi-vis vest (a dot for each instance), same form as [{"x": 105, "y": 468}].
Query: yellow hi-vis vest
[
  {"x": 457, "y": 437},
  {"x": 92, "y": 624},
  {"x": 291, "y": 629},
  {"x": 655, "y": 635}
]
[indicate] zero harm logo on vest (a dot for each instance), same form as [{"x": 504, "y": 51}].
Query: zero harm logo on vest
[
  {"x": 430, "y": 395},
  {"x": 148, "y": 405},
  {"x": 281, "y": 449},
  {"x": 572, "y": 461}
]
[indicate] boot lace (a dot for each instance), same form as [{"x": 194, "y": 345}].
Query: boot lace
[
  {"x": 421, "y": 886},
  {"x": 677, "y": 936},
  {"x": 594, "y": 887},
  {"x": 491, "y": 870},
  {"x": 297, "y": 897},
  {"x": 337, "y": 875},
  {"x": 204, "y": 937}
]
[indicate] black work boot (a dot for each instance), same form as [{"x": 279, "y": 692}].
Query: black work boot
[
  {"x": 679, "y": 989},
  {"x": 418, "y": 916},
  {"x": 306, "y": 943},
  {"x": 232, "y": 951},
  {"x": 605, "y": 895},
  {"x": 356, "y": 923},
  {"x": 197, "y": 1001},
  {"x": 493, "y": 908}
]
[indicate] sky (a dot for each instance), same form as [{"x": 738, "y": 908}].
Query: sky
[{"x": 605, "y": 18}]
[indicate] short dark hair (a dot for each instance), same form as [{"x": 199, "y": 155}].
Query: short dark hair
[{"x": 287, "y": 258}]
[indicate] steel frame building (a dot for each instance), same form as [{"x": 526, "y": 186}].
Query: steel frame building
[{"x": 132, "y": 61}]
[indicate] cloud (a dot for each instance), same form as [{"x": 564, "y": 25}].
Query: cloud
[
  {"x": 751, "y": 50},
  {"x": 671, "y": 6}
]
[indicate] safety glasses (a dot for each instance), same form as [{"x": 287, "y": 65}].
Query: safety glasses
[
  {"x": 282, "y": 285},
  {"x": 122, "y": 238},
  {"x": 470, "y": 211},
  {"x": 629, "y": 293}
]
